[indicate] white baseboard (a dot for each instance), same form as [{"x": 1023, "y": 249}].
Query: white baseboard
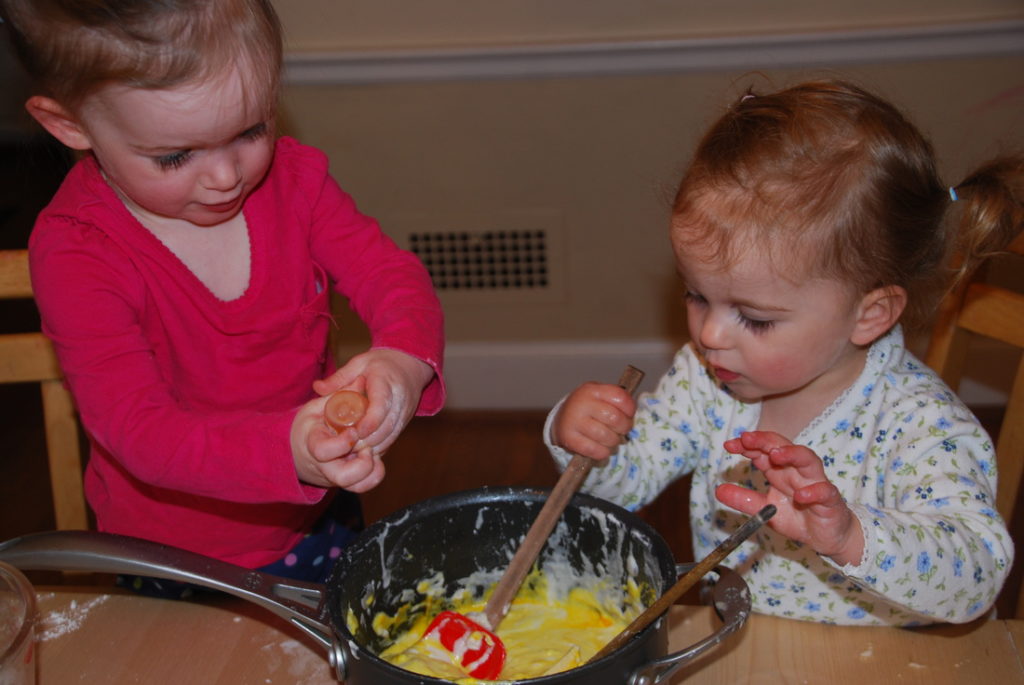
[{"x": 537, "y": 375}]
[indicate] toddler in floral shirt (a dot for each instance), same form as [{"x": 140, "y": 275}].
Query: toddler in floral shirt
[{"x": 810, "y": 229}]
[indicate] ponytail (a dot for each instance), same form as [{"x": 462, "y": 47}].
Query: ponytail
[{"x": 990, "y": 203}]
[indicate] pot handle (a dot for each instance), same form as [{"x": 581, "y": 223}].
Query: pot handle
[
  {"x": 732, "y": 602},
  {"x": 298, "y": 602}
]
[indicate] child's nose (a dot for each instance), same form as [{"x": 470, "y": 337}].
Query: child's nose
[
  {"x": 221, "y": 172},
  {"x": 713, "y": 333}
]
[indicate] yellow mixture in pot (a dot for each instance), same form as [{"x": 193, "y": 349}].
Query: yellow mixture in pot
[{"x": 544, "y": 632}]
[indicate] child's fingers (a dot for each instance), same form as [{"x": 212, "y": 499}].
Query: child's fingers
[
  {"x": 357, "y": 472},
  {"x": 740, "y": 498},
  {"x": 390, "y": 411},
  {"x": 325, "y": 446},
  {"x": 770, "y": 452},
  {"x": 390, "y": 402},
  {"x": 758, "y": 459},
  {"x": 602, "y": 399},
  {"x": 614, "y": 419},
  {"x": 371, "y": 481},
  {"x": 822, "y": 493},
  {"x": 590, "y": 435},
  {"x": 588, "y": 448},
  {"x": 345, "y": 378},
  {"x": 806, "y": 463},
  {"x": 584, "y": 413},
  {"x": 733, "y": 446},
  {"x": 602, "y": 433},
  {"x": 763, "y": 441},
  {"x": 375, "y": 476}
]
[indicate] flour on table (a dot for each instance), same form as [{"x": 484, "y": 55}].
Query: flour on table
[
  {"x": 54, "y": 624},
  {"x": 304, "y": 666}
]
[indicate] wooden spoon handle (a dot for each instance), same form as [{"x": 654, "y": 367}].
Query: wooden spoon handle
[
  {"x": 568, "y": 483},
  {"x": 687, "y": 581}
]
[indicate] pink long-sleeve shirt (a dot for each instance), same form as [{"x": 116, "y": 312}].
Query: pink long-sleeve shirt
[{"x": 187, "y": 399}]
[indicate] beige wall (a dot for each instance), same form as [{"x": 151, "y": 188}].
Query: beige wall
[{"x": 593, "y": 159}]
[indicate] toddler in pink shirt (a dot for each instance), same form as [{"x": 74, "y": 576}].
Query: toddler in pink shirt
[{"x": 183, "y": 272}]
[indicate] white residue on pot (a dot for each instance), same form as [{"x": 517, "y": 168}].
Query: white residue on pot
[
  {"x": 733, "y": 597},
  {"x": 480, "y": 518},
  {"x": 606, "y": 570},
  {"x": 385, "y": 573},
  {"x": 613, "y": 560}
]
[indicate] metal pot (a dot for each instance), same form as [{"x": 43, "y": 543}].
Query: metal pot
[{"x": 457, "y": 535}]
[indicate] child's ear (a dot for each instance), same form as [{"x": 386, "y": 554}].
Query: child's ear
[
  {"x": 61, "y": 124},
  {"x": 878, "y": 311}
]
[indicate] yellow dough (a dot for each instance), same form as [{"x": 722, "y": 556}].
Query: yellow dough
[{"x": 547, "y": 629}]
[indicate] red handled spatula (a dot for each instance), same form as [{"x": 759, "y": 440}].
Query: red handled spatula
[{"x": 477, "y": 648}]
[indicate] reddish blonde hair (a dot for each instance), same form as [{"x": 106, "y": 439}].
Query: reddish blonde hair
[
  {"x": 71, "y": 48},
  {"x": 835, "y": 182}
]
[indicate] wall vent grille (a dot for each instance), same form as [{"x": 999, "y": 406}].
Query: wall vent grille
[{"x": 491, "y": 260}]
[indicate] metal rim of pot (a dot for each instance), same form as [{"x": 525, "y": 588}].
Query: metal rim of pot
[{"x": 315, "y": 609}]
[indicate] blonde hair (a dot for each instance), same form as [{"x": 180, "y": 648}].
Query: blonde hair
[
  {"x": 71, "y": 48},
  {"x": 828, "y": 173}
]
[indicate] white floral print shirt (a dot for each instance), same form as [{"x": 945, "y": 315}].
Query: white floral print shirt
[{"x": 910, "y": 459}]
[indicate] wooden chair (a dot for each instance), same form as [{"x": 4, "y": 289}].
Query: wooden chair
[
  {"x": 29, "y": 358},
  {"x": 979, "y": 308}
]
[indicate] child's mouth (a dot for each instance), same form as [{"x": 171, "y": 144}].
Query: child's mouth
[
  {"x": 725, "y": 375},
  {"x": 222, "y": 206}
]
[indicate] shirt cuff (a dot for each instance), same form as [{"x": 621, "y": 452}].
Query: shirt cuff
[
  {"x": 862, "y": 568},
  {"x": 561, "y": 456}
]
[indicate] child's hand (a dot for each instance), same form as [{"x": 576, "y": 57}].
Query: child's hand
[
  {"x": 810, "y": 508},
  {"x": 593, "y": 420},
  {"x": 327, "y": 459},
  {"x": 393, "y": 382}
]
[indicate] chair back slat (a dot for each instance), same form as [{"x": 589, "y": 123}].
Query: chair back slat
[
  {"x": 26, "y": 358},
  {"x": 994, "y": 312},
  {"x": 29, "y": 358},
  {"x": 979, "y": 307},
  {"x": 14, "y": 279}
]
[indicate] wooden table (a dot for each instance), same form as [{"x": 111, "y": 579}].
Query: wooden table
[{"x": 102, "y": 636}]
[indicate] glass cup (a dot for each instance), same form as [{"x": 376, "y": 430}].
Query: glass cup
[{"x": 17, "y": 628}]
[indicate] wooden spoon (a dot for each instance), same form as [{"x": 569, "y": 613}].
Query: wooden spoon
[
  {"x": 687, "y": 581},
  {"x": 478, "y": 649},
  {"x": 568, "y": 483}
]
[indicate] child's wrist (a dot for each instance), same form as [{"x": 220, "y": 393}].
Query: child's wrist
[
  {"x": 417, "y": 370},
  {"x": 851, "y": 552}
]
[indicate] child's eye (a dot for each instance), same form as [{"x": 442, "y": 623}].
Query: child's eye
[
  {"x": 695, "y": 298},
  {"x": 256, "y": 132},
  {"x": 756, "y": 325},
  {"x": 173, "y": 160}
]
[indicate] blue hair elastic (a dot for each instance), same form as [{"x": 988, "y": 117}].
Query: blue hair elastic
[{"x": 952, "y": 194}]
